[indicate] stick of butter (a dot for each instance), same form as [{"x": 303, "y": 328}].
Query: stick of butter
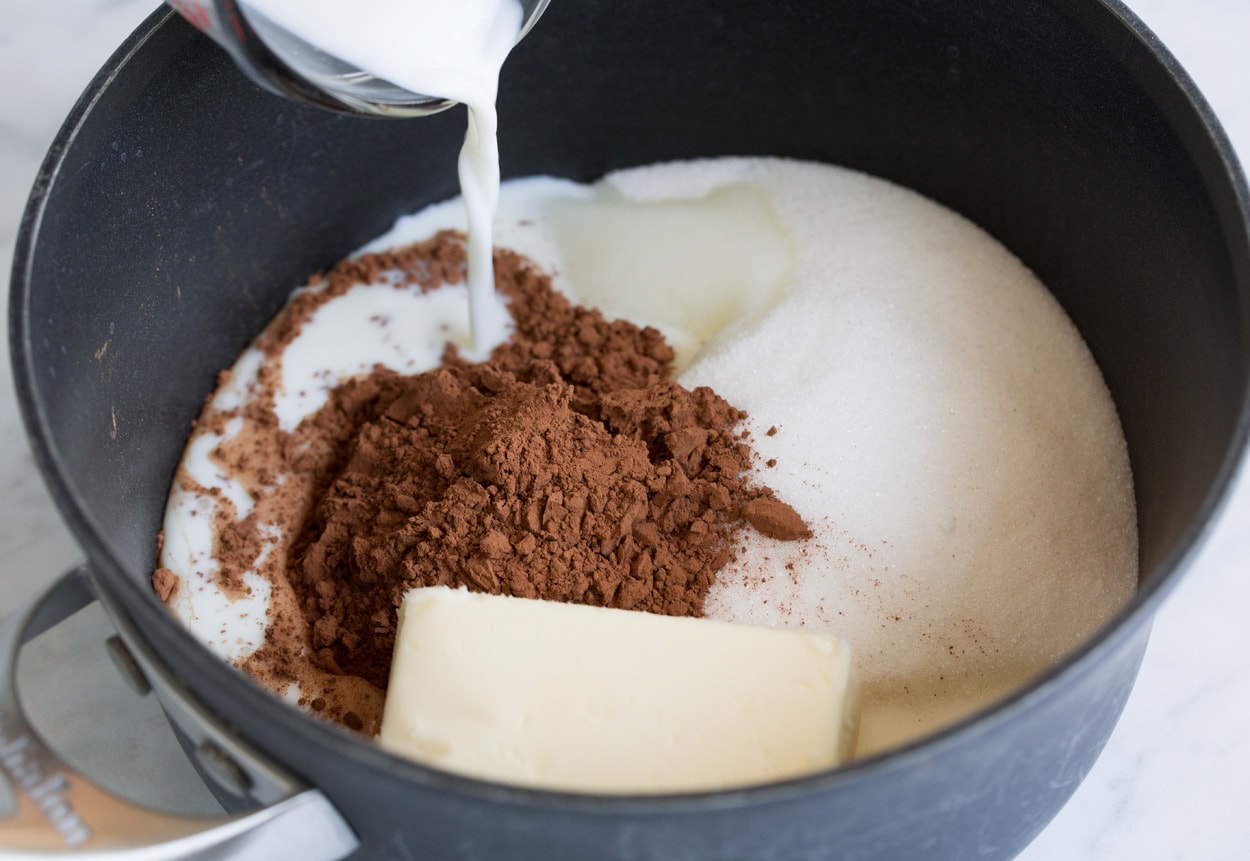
[{"x": 588, "y": 699}]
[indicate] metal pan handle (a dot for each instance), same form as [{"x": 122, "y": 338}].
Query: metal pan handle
[{"x": 59, "y": 811}]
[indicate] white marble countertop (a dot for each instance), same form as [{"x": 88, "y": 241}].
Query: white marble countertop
[{"x": 1172, "y": 784}]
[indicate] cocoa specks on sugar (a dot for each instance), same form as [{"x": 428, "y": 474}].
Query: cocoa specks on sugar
[{"x": 568, "y": 467}]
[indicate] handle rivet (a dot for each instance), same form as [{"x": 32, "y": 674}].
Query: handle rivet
[
  {"x": 222, "y": 768},
  {"x": 127, "y": 666}
]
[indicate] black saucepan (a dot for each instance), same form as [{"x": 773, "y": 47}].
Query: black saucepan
[{"x": 180, "y": 203}]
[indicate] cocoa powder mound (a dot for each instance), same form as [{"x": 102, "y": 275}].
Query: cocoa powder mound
[{"x": 568, "y": 468}]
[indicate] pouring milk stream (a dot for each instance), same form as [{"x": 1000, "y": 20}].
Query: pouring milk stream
[{"x": 452, "y": 50}]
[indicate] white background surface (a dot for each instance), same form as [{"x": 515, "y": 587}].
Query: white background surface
[{"x": 1174, "y": 782}]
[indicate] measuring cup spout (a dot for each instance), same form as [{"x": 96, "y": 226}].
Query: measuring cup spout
[{"x": 285, "y": 64}]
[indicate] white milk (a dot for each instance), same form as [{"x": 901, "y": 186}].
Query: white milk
[{"x": 449, "y": 49}]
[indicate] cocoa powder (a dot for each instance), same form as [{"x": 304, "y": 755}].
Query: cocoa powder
[{"x": 568, "y": 467}]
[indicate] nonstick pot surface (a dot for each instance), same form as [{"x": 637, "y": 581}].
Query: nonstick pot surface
[{"x": 181, "y": 204}]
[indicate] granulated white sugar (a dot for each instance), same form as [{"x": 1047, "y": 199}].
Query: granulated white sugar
[{"x": 943, "y": 424}]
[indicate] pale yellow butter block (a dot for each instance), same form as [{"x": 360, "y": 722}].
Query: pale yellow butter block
[{"x": 569, "y": 697}]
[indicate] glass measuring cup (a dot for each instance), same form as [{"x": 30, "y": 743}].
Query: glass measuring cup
[{"x": 287, "y": 65}]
